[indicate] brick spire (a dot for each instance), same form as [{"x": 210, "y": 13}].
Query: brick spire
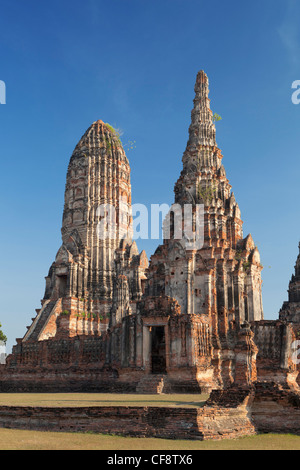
[
  {"x": 203, "y": 178},
  {"x": 98, "y": 175},
  {"x": 235, "y": 279},
  {"x": 202, "y": 129},
  {"x": 96, "y": 247}
]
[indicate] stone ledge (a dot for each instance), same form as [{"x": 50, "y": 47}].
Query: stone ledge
[{"x": 169, "y": 423}]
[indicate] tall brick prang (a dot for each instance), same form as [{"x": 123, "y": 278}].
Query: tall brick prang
[{"x": 83, "y": 281}]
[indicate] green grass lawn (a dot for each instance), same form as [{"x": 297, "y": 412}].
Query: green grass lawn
[
  {"x": 33, "y": 440},
  {"x": 99, "y": 399}
]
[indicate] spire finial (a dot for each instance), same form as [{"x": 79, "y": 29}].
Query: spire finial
[
  {"x": 202, "y": 77},
  {"x": 202, "y": 129}
]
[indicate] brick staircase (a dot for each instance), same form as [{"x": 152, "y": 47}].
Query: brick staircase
[
  {"x": 151, "y": 384},
  {"x": 40, "y": 321}
]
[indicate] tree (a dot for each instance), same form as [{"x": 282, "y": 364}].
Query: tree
[{"x": 2, "y": 336}]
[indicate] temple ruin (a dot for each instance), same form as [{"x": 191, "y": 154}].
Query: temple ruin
[{"x": 190, "y": 320}]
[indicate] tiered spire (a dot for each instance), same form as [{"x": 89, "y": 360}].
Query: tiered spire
[
  {"x": 97, "y": 164},
  {"x": 84, "y": 279},
  {"x": 203, "y": 178},
  {"x": 98, "y": 175},
  {"x": 202, "y": 129},
  {"x": 224, "y": 273}
]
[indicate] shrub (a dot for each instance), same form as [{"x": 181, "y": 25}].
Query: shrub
[{"x": 65, "y": 312}]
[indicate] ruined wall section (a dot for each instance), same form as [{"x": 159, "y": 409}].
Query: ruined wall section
[{"x": 274, "y": 340}]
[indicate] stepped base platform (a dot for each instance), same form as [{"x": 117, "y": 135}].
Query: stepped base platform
[
  {"x": 229, "y": 414},
  {"x": 158, "y": 422}
]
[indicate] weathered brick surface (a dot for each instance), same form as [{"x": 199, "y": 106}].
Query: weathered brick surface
[
  {"x": 170, "y": 423},
  {"x": 276, "y": 409}
]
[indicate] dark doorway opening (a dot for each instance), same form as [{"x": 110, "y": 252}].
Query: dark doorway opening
[
  {"x": 158, "y": 351},
  {"x": 62, "y": 285}
]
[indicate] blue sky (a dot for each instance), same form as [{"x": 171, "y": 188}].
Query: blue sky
[{"x": 133, "y": 63}]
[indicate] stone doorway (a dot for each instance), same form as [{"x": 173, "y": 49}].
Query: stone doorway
[
  {"x": 158, "y": 350},
  {"x": 62, "y": 286}
]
